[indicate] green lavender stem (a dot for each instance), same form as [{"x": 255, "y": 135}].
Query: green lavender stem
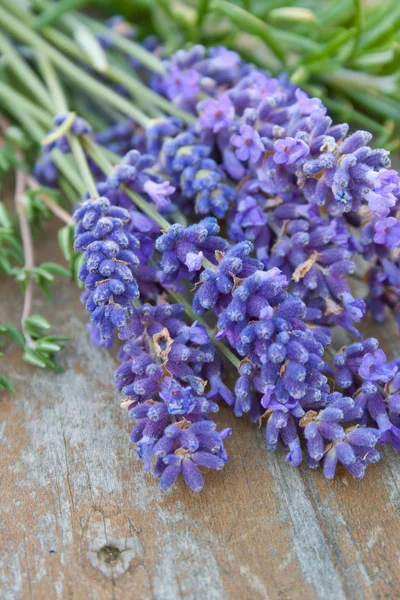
[
  {"x": 22, "y": 32},
  {"x": 24, "y": 72},
  {"x": 60, "y": 104},
  {"x": 134, "y": 50},
  {"x": 113, "y": 72}
]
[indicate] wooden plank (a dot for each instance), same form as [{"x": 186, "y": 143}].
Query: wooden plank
[{"x": 79, "y": 519}]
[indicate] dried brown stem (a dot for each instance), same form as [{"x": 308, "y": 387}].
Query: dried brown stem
[
  {"x": 59, "y": 212},
  {"x": 20, "y": 186}
]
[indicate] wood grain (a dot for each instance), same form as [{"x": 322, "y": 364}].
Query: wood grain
[{"x": 78, "y": 519}]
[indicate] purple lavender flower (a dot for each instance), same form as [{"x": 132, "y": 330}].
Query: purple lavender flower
[
  {"x": 216, "y": 114},
  {"x": 248, "y": 144},
  {"x": 159, "y": 192},
  {"x": 181, "y": 83},
  {"x": 166, "y": 359},
  {"x": 290, "y": 150},
  {"x": 385, "y": 186},
  {"x": 375, "y": 368},
  {"x": 215, "y": 286},
  {"x": 307, "y": 198},
  {"x": 197, "y": 445},
  {"x": 183, "y": 248},
  {"x": 387, "y": 232},
  {"x": 309, "y": 106}
]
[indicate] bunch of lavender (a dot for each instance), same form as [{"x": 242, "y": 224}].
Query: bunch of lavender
[
  {"x": 305, "y": 195},
  {"x": 257, "y": 202}
]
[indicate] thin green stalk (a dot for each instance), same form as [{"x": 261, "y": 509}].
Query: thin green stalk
[
  {"x": 131, "y": 48},
  {"x": 250, "y": 24},
  {"x": 25, "y": 113},
  {"x": 63, "y": 129},
  {"x": 22, "y": 32},
  {"x": 82, "y": 164},
  {"x": 113, "y": 72},
  {"x": 24, "y": 118},
  {"x": 202, "y": 10},
  {"x": 60, "y": 104},
  {"x": 55, "y": 11},
  {"x": 67, "y": 170},
  {"x": 24, "y": 72},
  {"x": 52, "y": 82},
  {"x": 362, "y": 81},
  {"x": 11, "y": 96}
]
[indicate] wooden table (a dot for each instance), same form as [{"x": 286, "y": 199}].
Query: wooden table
[{"x": 80, "y": 520}]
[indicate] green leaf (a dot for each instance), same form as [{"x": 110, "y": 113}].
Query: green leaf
[
  {"x": 32, "y": 358},
  {"x": 55, "y": 338},
  {"x": 55, "y": 269},
  {"x": 5, "y": 219},
  {"x": 38, "y": 273},
  {"x": 37, "y": 321},
  {"x": 329, "y": 49},
  {"x": 65, "y": 240},
  {"x": 45, "y": 346},
  {"x": 13, "y": 334},
  {"x": 5, "y": 384},
  {"x": 202, "y": 10}
]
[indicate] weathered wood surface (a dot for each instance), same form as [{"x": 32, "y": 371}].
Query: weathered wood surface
[{"x": 80, "y": 520}]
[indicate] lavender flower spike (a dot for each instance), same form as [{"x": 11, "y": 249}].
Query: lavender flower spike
[{"x": 110, "y": 261}]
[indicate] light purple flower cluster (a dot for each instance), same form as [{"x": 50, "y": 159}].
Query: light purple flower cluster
[{"x": 280, "y": 204}]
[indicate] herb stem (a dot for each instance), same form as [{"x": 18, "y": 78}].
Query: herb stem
[{"x": 12, "y": 98}]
